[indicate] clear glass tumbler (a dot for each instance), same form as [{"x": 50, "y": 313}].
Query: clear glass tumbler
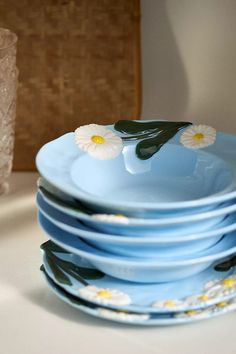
[{"x": 8, "y": 88}]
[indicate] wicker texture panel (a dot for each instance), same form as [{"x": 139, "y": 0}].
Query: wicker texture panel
[{"x": 78, "y": 62}]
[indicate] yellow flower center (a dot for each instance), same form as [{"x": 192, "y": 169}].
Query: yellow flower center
[
  {"x": 97, "y": 139},
  {"x": 191, "y": 313},
  {"x": 221, "y": 304},
  {"x": 229, "y": 282},
  {"x": 203, "y": 297},
  {"x": 105, "y": 294},
  {"x": 198, "y": 136},
  {"x": 169, "y": 303}
]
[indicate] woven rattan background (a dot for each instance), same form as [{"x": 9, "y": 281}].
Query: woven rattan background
[{"x": 78, "y": 62}]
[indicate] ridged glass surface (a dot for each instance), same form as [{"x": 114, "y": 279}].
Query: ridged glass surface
[{"x": 8, "y": 86}]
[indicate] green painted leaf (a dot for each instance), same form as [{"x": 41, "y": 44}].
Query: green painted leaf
[
  {"x": 85, "y": 273},
  {"x": 225, "y": 266},
  {"x": 133, "y": 127},
  {"x": 152, "y": 135},
  {"x": 81, "y": 274},
  {"x": 72, "y": 298},
  {"x": 78, "y": 301},
  {"x": 59, "y": 275},
  {"x": 52, "y": 247},
  {"x": 148, "y": 147},
  {"x": 74, "y": 206}
]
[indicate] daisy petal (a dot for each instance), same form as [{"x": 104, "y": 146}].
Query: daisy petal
[
  {"x": 198, "y": 136},
  {"x": 98, "y": 141}
]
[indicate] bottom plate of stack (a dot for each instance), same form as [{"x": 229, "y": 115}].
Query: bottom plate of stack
[{"x": 208, "y": 294}]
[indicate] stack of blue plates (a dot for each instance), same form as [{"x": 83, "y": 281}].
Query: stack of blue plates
[{"x": 141, "y": 218}]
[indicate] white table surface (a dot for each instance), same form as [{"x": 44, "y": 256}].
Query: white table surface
[{"x": 34, "y": 321}]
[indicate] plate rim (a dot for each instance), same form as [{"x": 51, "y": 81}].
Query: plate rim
[
  {"x": 141, "y": 308},
  {"x": 124, "y": 262},
  {"x": 74, "y": 191},
  {"x": 148, "y": 322}
]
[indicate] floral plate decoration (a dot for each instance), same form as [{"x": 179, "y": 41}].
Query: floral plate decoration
[
  {"x": 103, "y": 143},
  {"x": 122, "y": 151},
  {"x": 144, "y": 318},
  {"x": 85, "y": 282}
]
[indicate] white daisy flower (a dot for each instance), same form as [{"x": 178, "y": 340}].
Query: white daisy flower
[
  {"x": 199, "y": 299},
  {"x": 122, "y": 315},
  {"x": 121, "y": 219},
  {"x": 198, "y": 136},
  {"x": 104, "y": 296},
  {"x": 222, "y": 287},
  {"x": 195, "y": 313},
  {"x": 169, "y": 304},
  {"x": 222, "y": 307},
  {"x": 98, "y": 141},
  {"x": 230, "y": 305},
  {"x": 190, "y": 301}
]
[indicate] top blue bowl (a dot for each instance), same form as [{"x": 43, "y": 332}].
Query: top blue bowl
[
  {"x": 175, "y": 174},
  {"x": 175, "y": 177}
]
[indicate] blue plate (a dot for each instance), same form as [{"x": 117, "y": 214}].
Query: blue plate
[
  {"x": 174, "y": 178},
  {"x": 144, "y": 319},
  {"x": 79, "y": 278},
  {"x": 161, "y": 246},
  {"x": 54, "y": 193},
  {"x": 149, "y": 227},
  {"x": 142, "y": 270}
]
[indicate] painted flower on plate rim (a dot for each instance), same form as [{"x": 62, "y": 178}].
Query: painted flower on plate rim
[
  {"x": 198, "y": 136},
  {"x": 194, "y": 313},
  {"x": 98, "y": 141},
  {"x": 198, "y": 300},
  {"x": 111, "y": 218},
  {"x": 104, "y": 296},
  {"x": 221, "y": 287},
  {"x": 122, "y": 315},
  {"x": 190, "y": 301},
  {"x": 225, "y": 306},
  {"x": 170, "y": 304},
  {"x": 222, "y": 307},
  {"x": 214, "y": 290}
]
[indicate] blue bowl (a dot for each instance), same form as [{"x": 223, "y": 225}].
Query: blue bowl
[
  {"x": 175, "y": 174},
  {"x": 53, "y": 194},
  {"x": 179, "y": 225},
  {"x": 160, "y": 246},
  {"x": 175, "y": 178},
  {"x": 141, "y": 270}
]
